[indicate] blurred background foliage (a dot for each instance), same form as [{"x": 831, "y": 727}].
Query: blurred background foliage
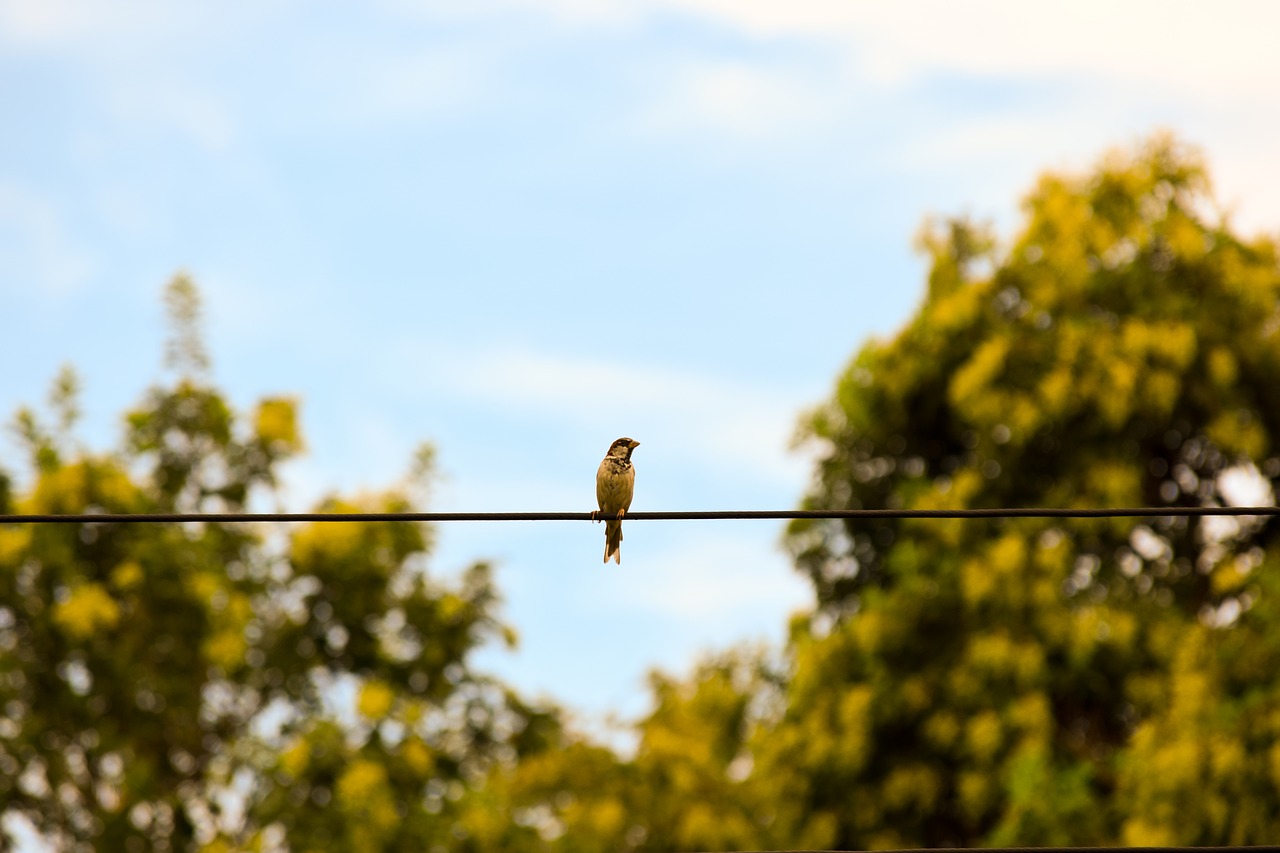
[
  {"x": 1016, "y": 682},
  {"x": 219, "y": 686}
]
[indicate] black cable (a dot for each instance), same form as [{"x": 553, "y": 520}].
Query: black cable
[
  {"x": 1245, "y": 849},
  {"x": 716, "y": 515}
]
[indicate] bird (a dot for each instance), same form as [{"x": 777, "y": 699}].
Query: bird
[{"x": 615, "y": 485}]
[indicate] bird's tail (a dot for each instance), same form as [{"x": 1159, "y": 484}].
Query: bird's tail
[{"x": 613, "y": 541}]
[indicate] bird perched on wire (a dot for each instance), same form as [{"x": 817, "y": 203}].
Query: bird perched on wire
[{"x": 615, "y": 484}]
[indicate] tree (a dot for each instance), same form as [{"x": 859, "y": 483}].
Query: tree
[
  {"x": 689, "y": 785},
  {"x": 225, "y": 685},
  {"x": 1041, "y": 682}
]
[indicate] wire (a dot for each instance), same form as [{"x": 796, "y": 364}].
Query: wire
[
  {"x": 1246, "y": 849},
  {"x": 715, "y": 515}
]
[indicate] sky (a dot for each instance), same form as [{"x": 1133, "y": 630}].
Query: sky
[{"x": 519, "y": 229}]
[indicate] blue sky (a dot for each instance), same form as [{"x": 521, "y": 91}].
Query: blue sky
[{"x": 522, "y": 228}]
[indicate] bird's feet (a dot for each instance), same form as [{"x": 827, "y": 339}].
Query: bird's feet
[{"x": 594, "y": 513}]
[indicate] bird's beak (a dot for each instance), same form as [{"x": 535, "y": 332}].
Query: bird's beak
[{"x": 634, "y": 444}]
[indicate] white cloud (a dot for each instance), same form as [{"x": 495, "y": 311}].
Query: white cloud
[
  {"x": 1244, "y": 168},
  {"x": 122, "y": 26},
  {"x": 570, "y": 12},
  {"x": 59, "y": 21},
  {"x": 984, "y": 163},
  {"x": 1209, "y": 71},
  {"x": 987, "y": 138},
  {"x": 1187, "y": 45},
  {"x": 1172, "y": 43},
  {"x": 1008, "y": 150},
  {"x": 1223, "y": 51},
  {"x": 737, "y": 98}
]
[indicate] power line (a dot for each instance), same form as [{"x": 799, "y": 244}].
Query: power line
[
  {"x": 1260, "y": 848},
  {"x": 1243, "y": 849},
  {"x": 714, "y": 515}
]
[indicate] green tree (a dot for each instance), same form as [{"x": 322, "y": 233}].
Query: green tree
[
  {"x": 1038, "y": 682},
  {"x": 689, "y": 785},
  {"x": 220, "y": 686}
]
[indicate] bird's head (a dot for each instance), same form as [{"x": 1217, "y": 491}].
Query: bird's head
[{"x": 623, "y": 447}]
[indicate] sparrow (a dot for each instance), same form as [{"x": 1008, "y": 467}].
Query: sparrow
[{"x": 615, "y": 485}]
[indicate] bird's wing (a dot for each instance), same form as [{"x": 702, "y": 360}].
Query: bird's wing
[
  {"x": 630, "y": 489},
  {"x": 602, "y": 483}
]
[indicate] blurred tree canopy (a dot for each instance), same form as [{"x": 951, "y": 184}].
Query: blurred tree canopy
[
  {"x": 1004, "y": 682},
  {"x": 217, "y": 686},
  {"x": 1020, "y": 682},
  {"x": 1037, "y": 682}
]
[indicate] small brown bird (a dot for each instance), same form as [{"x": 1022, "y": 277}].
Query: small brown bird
[{"x": 615, "y": 485}]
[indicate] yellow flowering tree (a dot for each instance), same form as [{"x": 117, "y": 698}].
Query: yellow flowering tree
[
  {"x": 1050, "y": 682},
  {"x": 689, "y": 786},
  {"x": 229, "y": 686}
]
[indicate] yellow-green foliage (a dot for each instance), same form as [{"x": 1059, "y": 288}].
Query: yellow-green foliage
[
  {"x": 1084, "y": 684},
  {"x": 135, "y": 659},
  {"x": 963, "y": 683}
]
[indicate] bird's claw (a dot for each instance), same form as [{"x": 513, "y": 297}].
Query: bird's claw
[{"x": 594, "y": 513}]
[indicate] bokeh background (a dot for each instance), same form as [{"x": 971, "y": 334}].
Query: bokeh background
[{"x": 518, "y": 229}]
